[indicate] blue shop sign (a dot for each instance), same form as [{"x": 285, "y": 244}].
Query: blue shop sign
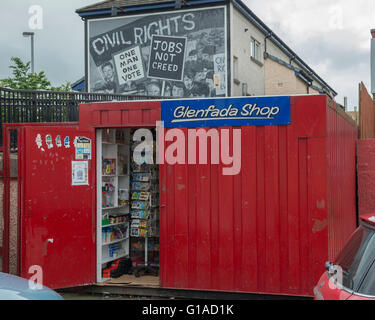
[{"x": 226, "y": 112}]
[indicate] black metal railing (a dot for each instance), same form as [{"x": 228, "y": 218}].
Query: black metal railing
[{"x": 22, "y": 106}]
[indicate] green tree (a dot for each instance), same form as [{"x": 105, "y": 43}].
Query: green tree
[{"x": 23, "y": 79}]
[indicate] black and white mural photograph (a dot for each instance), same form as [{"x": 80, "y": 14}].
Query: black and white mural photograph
[{"x": 180, "y": 54}]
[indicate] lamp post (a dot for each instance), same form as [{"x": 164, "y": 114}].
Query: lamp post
[{"x": 31, "y": 34}]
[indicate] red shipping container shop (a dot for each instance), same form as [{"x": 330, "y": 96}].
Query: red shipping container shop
[{"x": 268, "y": 229}]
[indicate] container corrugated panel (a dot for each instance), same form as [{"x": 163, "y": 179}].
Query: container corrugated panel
[
  {"x": 269, "y": 229},
  {"x": 366, "y": 176},
  {"x": 265, "y": 230},
  {"x": 341, "y": 145},
  {"x": 119, "y": 114},
  {"x": 366, "y": 113}
]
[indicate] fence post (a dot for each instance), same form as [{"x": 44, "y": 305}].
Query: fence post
[
  {"x": 73, "y": 109},
  {"x": 34, "y": 107}
]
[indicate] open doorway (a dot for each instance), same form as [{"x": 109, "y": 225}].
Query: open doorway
[
  {"x": 127, "y": 209},
  {"x": 10, "y": 196}
]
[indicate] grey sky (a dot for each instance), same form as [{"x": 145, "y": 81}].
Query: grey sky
[
  {"x": 332, "y": 36},
  {"x": 59, "y": 46}
]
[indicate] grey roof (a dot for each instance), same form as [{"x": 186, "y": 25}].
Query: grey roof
[
  {"x": 77, "y": 82},
  {"x": 108, "y": 4}
]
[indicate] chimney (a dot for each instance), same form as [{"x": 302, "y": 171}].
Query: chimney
[{"x": 373, "y": 62}]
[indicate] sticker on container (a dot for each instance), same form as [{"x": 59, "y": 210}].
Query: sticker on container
[
  {"x": 80, "y": 170},
  {"x": 66, "y": 142},
  {"x": 58, "y": 141},
  {"x": 39, "y": 142},
  {"x": 83, "y": 148},
  {"x": 75, "y": 142},
  {"x": 49, "y": 141}
]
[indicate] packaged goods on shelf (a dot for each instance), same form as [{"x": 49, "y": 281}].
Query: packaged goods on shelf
[
  {"x": 123, "y": 197},
  {"x": 140, "y": 195},
  {"x": 139, "y": 205},
  {"x": 108, "y": 192},
  {"x": 141, "y": 177},
  {"x": 109, "y": 167},
  {"x": 144, "y": 186},
  {"x": 122, "y": 164},
  {"x": 139, "y": 214}
]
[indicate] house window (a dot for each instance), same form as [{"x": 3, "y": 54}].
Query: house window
[
  {"x": 235, "y": 70},
  {"x": 255, "y": 49}
]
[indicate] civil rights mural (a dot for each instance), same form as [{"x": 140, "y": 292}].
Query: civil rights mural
[{"x": 174, "y": 54}]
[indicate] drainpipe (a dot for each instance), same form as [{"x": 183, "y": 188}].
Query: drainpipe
[
  {"x": 291, "y": 59},
  {"x": 373, "y": 62},
  {"x": 265, "y": 44}
]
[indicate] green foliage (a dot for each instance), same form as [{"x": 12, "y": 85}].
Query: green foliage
[{"x": 23, "y": 79}]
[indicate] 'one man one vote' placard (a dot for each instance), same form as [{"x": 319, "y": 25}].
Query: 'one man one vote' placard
[{"x": 129, "y": 65}]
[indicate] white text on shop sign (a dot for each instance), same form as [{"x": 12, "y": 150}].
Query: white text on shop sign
[{"x": 258, "y": 111}]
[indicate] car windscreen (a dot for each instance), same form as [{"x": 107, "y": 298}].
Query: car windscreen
[{"x": 356, "y": 257}]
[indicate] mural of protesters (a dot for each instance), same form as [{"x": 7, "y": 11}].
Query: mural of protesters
[
  {"x": 207, "y": 57},
  {"x": 210, "y": 83},
  {"x": 200, "y": 90},
  {"x": 188, "y": 82},
  {"x": 178, "y": 90},
  {"x": 193, "y": 64},
  {"x": 203, "y": 42},
  {"x": 129, "y": 38},
  {"x": 195, "y": 84},
  {"x": 200, "y": 74},
  {"x": 108, "y": 84},
  {"x": 153, "y": 88},
  {"x": 167, "y": 89}
]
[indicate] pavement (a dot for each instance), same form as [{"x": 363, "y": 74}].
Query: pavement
[{"x": 77, "y": 296}]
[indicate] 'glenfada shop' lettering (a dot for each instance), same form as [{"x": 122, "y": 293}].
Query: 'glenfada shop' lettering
[{"x": 212, "y": 112}]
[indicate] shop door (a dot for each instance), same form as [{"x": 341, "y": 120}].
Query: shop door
[{"x": 58, "y": 220}]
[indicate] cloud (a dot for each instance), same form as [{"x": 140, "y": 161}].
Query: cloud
[
  {"x": 59, "y": 45},
  {"x": 332, "y": 37}
]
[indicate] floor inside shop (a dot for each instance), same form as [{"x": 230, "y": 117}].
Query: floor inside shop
[{"x": 148, "y": 281}]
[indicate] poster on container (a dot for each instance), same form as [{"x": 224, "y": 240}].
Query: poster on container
[{"x": 126, "y": 57}]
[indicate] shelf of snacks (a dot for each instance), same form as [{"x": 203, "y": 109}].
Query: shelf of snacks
[
  {"x": 111, "y": 235},
  {"x": 108, "y": 194},
  {"x": 109, "y": 167},
  {"x": 109, "y": 259}
]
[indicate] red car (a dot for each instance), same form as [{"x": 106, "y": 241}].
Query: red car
[{"x": 352, "y": 275}]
